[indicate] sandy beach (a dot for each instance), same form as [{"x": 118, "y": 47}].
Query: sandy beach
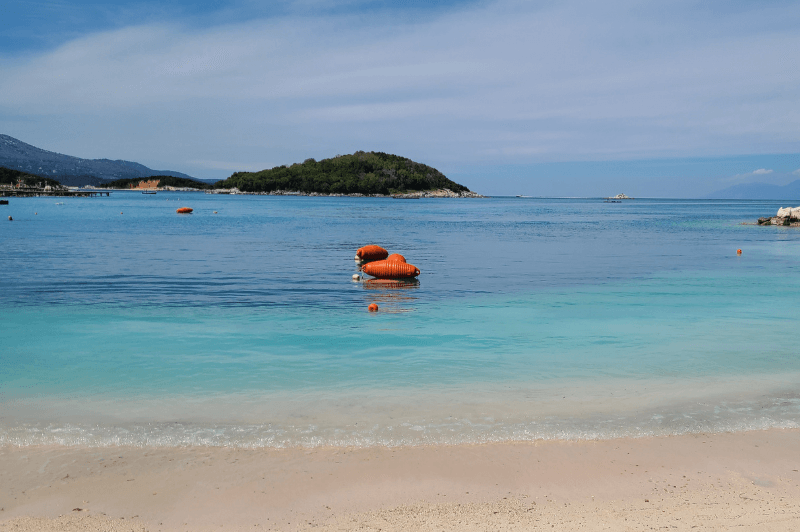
[{"x": 742, "y": 481}]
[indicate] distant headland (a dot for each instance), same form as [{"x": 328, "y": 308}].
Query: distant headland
[{"x": 68, "y": 170}]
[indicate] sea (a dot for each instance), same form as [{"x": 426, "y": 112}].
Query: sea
[{"x": 240, "y": 325}]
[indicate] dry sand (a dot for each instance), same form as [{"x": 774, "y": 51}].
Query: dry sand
[{"x": 743, "y": 481}]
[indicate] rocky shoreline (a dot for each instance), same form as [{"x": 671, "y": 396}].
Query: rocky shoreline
[{"x": 787, "y": 216}]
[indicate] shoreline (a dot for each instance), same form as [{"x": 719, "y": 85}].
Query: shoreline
[{"x": 713, "y": 481}]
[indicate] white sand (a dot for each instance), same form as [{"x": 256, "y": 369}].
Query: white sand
[{"x": 746, "y": 481}]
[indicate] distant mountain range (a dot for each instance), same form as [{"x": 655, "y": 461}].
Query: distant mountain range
[
  {"x": 759, "y": 191},
  {"x": 68, "y": 170}
]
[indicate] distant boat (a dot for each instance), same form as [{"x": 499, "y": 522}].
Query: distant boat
[
  {"x": 618, "y": 197},
  {"x": 146, "y": 192}
]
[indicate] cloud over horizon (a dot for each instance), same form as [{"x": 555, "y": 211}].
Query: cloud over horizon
[{"x": 492, "y": 83}]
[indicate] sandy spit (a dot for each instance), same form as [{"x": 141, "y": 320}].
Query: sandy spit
[{"x": 742, "y": 481}]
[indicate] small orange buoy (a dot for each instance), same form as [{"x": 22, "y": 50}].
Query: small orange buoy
[
  {"x": 738, "y": 251},
  {"x": 184, "y": 210},
  {"x": 371, "y": 252},
  {"x": 384, "y": 269},
  {"x": 373, "y": 308},
  {"x": 395, "y": 257}
]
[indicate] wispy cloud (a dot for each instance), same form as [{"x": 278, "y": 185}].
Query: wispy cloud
[{"x": 757, "y": 175}]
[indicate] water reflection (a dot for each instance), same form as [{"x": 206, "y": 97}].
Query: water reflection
[{"x": 392, "y": 295}]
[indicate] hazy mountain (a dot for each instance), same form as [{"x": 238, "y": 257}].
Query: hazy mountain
[
  {"x": 759, "y": 191},
  {"x": 68, "y": 170}
]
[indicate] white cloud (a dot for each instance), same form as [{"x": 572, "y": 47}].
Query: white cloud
[
  {"x": 504, "y": 81},
  {"x": 761, "y": 171},
  {"x": 796, "y": 172}
]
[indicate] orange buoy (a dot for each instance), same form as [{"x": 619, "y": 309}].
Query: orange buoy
[
  {"x": 383, "y": 269},
  {"x": 372, "y": 252},
  {"x": 373, "y": 308},
  {"x": 184, "y": 210},
  {"x": 738, "y": 251},
  {"x": 396, "y": 257}
]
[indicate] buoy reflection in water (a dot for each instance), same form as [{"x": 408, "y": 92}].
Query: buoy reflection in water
[{"x": 392, "y": 295}]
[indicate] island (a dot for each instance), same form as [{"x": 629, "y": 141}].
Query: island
[{"x": 359, "y": 174}]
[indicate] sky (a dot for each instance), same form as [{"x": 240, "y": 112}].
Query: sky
[{"x": 544, "y": 98}]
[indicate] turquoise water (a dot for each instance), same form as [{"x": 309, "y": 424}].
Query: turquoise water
[{"x": 125, "y": 323}]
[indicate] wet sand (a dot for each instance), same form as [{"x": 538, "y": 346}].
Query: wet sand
[{"x": 742, "y": 481}]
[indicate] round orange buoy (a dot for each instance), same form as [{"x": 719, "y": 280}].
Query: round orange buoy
[
  {"x": 373, "y": 308},
  {"x": 383, "y": 269},
  {"x": 396, "y": 257},
  {"x": 184, "y": 210},
  {"x": 371, "y": 252},
  {"x": 738, "y": 251}
]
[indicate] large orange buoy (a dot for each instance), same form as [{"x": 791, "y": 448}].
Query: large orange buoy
[
  {"x": 372, "y": 252},
  {"x": 396, "y": 257},
  {"x": 738, "y": 251},
  {"x": 373, "y": 308},
  {"x": 383, "y": 269},
  {"x": 184, "y": 210}
]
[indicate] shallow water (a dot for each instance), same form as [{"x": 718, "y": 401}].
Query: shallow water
[{"x": 123, "y": 322}]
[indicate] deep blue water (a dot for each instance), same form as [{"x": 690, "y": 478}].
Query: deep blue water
[{"x": 123, "y": 322}]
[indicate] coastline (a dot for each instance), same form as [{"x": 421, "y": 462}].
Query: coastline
[
  {"x": 706, "y": 481},
  {"x": 438, "y": 193}
]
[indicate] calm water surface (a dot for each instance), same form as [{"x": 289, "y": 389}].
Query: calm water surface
[{"x": 123, "y": 322}]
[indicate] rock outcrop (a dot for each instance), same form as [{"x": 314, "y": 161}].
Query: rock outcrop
[{"x": 787, "y": 216}]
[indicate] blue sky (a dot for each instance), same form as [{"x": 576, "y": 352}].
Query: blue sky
[{"x": 542, "y": 98}]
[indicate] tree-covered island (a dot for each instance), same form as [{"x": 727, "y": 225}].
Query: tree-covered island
[{"x": 365, "y": 173}]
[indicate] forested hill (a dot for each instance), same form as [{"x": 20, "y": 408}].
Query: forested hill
[
  {"x": 361, "y": 172},
  {"x": 69, "y": 170},
  {"x": 9, "y": 176}
]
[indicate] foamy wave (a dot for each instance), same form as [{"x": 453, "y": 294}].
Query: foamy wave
[{"x": 451, "y": 433}]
